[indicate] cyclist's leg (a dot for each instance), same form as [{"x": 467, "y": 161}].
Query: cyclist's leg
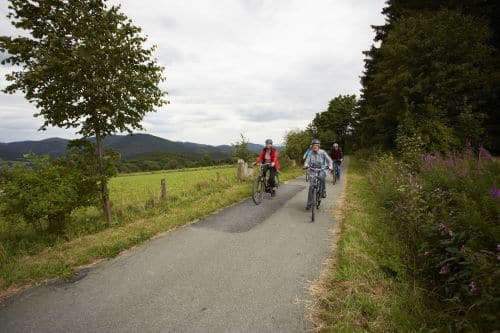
[
  {"x": 322, "y": 178},
  {"x": 272, "y": 177},
  {"x": 311, "y": 189}
]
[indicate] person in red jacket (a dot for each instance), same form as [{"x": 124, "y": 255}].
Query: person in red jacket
[{"x": 269, "y": 159}]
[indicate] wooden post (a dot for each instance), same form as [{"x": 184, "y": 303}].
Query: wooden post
[{"x": 163, "y": 189}]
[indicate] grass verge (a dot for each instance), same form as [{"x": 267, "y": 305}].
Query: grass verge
[
  {"x": 64, "y": 257},
  {"x": 365, "y": 286}
]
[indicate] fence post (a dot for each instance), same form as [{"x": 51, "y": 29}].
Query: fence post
[{"x": 163, "y": 189}]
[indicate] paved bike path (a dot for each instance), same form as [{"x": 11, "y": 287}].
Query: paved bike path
[{"x": 244, "y": 269}]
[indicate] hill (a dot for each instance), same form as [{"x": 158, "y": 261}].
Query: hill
[{"x": 130, "y": 147}]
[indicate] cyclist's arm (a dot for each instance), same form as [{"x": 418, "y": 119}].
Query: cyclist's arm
[
  {"x": 275, "y": 159},
  {"x": 260, "y": 158},
  {"x": 329, "y": 160},
  {"x": 307, "y": 161}
]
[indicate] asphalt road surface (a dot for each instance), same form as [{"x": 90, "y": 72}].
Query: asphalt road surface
[{"x": 244, "y": 269}]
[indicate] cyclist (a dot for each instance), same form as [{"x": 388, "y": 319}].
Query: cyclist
[
  {"x": 318, "y": 158},
  {"x": 269, "y": 158},
  {"x": 337, "y": 157}
]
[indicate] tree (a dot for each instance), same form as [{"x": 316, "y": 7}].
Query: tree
[
  {"x": 432, "y": 73},
  {"x": 296, "y": 143},
  {"x": 84, "y": 65},
  {"x": 335, "y": 124},
  {"x": 240, "y": 149}
]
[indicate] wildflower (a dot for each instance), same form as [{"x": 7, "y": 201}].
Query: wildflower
[
  {"x": 473, "y": 288},
  {"x": 494, "y": 192},
  {"x": 444, "y": 270},
  {"x": 484, "y": 154},
  {"x": 442, "y": 229}
]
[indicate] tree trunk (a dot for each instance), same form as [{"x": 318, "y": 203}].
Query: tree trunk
[{"x": 104, "y": 181}]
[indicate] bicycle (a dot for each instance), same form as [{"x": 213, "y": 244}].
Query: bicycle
[
  {"x": 317, "y": 195},
  {"x": 261, "y": 184},
  {"x": 336, "y": 171}
]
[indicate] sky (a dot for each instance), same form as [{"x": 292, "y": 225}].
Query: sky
[{"x": 254, "y": 67}]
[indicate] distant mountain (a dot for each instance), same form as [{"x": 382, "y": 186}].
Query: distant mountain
[{"x": 130, "y": 146}]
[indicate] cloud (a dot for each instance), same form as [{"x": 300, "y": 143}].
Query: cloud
[{"x": 256, "y": 67}]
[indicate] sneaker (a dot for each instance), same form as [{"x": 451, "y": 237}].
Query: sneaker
[{"x": 324, "y": 195}]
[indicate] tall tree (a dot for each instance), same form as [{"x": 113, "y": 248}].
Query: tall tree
[
  {"x": 431, "y": 77},
  {"x": 84, "y": 65},
  {"x": 335, "y": 124},
  {"x": 382, "y": 127}
]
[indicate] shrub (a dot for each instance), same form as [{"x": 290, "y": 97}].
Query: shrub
[
  {"x": 447, "y": 213},
  {"x": 44, "y": 193}
]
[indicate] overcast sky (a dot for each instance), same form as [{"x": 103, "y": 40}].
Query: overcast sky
[{"x": 257, "y": 67}]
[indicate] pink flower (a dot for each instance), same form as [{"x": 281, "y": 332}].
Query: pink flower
[
  {"x": 444, "y": 270},
  {"x": 473, "y": 288}
]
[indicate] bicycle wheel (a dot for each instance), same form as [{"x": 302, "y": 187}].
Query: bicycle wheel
[
  {"x": 313, "y": 207},
  {"x": 258, "y": 191},
  {"x": 334, "y": 176},
  {"x": 277, "y": 180},
  {"x": 307, "y": 176}
]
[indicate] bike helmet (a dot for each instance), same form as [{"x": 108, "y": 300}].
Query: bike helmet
[
  {"x": 269, "y": 141},
  {"x": 315, "y": 142}
]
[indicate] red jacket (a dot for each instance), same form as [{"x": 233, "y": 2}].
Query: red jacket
[{"x": 274, "y": 157}]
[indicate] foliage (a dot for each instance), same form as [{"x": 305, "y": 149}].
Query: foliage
[
  {"x": 170, "y": 161},
  {"x": 45, "y": 193},
  {"x": 432, "y": 77},
  {"x": 296, "y": 143},
  {"x": 447, "y": 215},
  {"x": 241, "y": 151},
  {"x": 335, "y": 124}
]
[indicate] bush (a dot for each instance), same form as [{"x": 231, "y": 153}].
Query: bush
[
  {"x": 447, "y": 213},
  {"x": 44, "y": 193}
]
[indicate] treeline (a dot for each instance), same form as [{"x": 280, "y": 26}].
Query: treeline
[
  {"x": 434, "y": 78},
  {"x": 169, "y": 161}
]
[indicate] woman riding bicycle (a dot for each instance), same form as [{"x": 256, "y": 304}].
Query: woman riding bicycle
[
  {"x": 269, "y": 159},
  {"x": 337, "y": 157},
  {"x": 317, "y": 159}
]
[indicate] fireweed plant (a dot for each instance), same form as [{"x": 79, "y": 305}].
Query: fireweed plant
[{"x": 448, "y": 213}]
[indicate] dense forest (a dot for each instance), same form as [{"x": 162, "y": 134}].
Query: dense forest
[{"x": 433, "y": 77}]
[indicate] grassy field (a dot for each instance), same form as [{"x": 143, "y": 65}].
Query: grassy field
[
  {"x": 28, "y": 257},
  {"x": 366, "y": 288}
]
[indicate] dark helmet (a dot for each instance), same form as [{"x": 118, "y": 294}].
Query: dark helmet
[
  {"x": 315, "y": 142},
  {"x": 269, "y": 142}
]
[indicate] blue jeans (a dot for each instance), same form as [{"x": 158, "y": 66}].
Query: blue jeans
[
  {"x": 322, "y": 177},
  {"x": 336, "y": 166}
]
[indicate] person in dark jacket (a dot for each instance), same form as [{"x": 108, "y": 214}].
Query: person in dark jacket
[
  {"x": 337, "y": 156},
  {"x": 269, "y": 159}
]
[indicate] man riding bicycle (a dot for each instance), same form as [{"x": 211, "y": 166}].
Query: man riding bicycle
[
  {"x": 269, "y": 159},
  {"x": 337, "y": 157},
  {"x": 317, "y": 159}
]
